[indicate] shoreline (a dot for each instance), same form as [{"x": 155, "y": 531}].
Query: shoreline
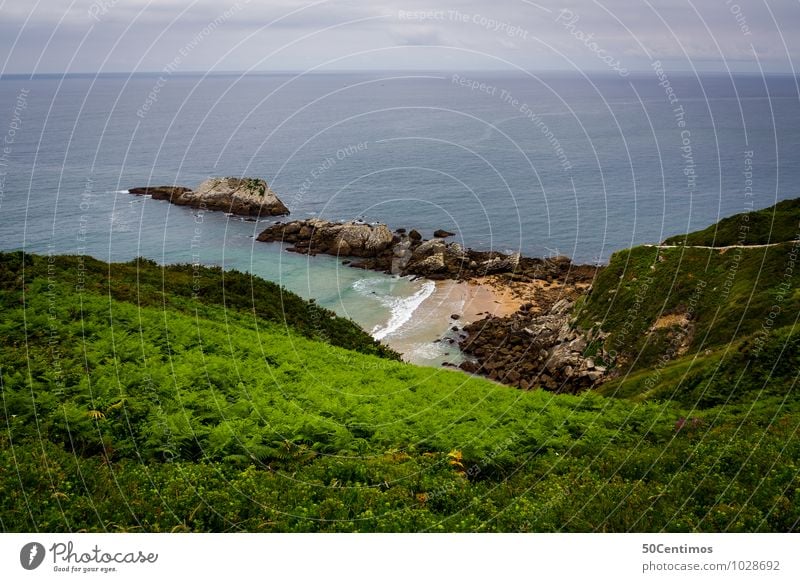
[
  {"x": 480, "y": 311},
  {"x": 517, "y": 333},
  {"x": 486, "y": 309},
  {"x": 432, "y": 336},
  {"x": 463, "y": 291},
  {"x": 375, "y": 247}
]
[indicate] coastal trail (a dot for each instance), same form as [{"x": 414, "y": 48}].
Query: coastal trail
[{"x": 722, "y": 248}]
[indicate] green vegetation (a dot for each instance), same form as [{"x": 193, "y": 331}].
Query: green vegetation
[
  {"x": 256, "y": 186},
  {"x": 779, "y": 223},
  {"x": 193, "y": 290},
  {"x": 142, "y": 398},
  {"x": 654, "y": 300},
  {"x": 704, "y": 327},
  {"x": 744, "y": 372}
]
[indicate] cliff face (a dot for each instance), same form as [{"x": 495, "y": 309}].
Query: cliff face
[{"x": 242, "y": 196}]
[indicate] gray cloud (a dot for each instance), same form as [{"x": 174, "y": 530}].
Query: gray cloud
[{"x": 144, "y": 35}]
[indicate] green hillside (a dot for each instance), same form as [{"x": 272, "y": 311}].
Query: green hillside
[
  {"x": 778, "y": 223},
  {"x": 189, "y": 289},
  {"x": 721, "y": 297},
  {"x": 703, "y": 326},
  {"x": 132, "y": 401},
  {"x": 742, "y": 373}
]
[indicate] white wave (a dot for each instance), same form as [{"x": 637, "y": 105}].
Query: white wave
[
  {"x": 401, "y": 308},
  {"x": 121, "y": 192},
  {"x": 427, "y": 351}
]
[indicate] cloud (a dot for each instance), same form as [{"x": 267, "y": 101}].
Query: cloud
[
  {"x": 419, "y": 36},
  {"x": 61, "y": 35}
]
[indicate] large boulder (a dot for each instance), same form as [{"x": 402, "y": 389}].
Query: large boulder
[
  {"x": 401, "y": 255},
  {"x": 363, "y": 240},
  {"x": 428, "y": 258},
  {"x": 455, "y": 252},
  {"x": 428, "y": 248},
  {"x": 431, "y": 265},
  {"x": 436, "y": 257},
  {"x": 500, "y": 264}
]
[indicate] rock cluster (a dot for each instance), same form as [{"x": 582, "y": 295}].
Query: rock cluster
[
  {"x": 241, "y": 196},
  {"x": 407, "y": 253},
  {"x": 528, "y": 350},
  {"x": 349, "y": 239}
]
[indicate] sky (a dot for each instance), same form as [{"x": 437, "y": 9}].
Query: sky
[{"x": 620, "y": 36}]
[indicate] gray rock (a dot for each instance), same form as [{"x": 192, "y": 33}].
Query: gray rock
[
  {"x": 578, "y": 345},
  {"x": 501, "y": 264},
  {"x": 244, "y": 196}
]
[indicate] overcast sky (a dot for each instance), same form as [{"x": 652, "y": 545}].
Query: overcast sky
[{"x": 56, "y": 36}]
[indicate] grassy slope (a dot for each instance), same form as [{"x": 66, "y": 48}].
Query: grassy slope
[
  {"x": 729, "y": 296},
  {"x": 188, "y": 289},
  {"x": 742, "y": 373},
  {"x": 778, "y": 223},
  {"x": 124, "y": 414},
  {"x": 742, "y": 306}
]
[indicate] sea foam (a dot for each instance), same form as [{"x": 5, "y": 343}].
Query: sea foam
[{"x": 401, "y": 308}]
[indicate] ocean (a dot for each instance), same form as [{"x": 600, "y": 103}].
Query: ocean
[{"x": 555, "y": 164}]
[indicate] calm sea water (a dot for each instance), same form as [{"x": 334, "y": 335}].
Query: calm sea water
[{"x": 563, "y": 164}]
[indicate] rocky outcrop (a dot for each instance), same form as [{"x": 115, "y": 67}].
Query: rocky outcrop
[
  {"x": 433, "y": 258},
  {"x": 529, "y": 351},
  {"x": 402, "y": 253},
  {"x": 502, "y": 264},
  {"x": 161, "y": 192},
  {"x": 353, "y": 239},
  {"x": 242, "y": 196},
  {"x": 441, "y": 233}
]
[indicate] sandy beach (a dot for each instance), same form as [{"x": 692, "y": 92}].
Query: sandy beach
[{"x": 429, "y": 336}]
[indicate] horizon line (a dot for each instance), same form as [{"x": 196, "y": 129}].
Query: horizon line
[{"x": 588, "y": 72}]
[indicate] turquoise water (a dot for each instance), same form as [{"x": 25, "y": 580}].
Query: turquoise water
[
  {"x": 380, "y": 303},
  {"x": 542, "y": 164}
]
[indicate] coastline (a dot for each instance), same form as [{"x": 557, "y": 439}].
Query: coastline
[
  {"x": 444, "y": 304},
  {"x": 430, "y": 335},
  {"x": 516, "y": 332},
  {"x": 425, "y": 338}
]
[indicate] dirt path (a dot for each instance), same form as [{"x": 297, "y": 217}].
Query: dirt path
[{"x": 725, "y": 248}]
